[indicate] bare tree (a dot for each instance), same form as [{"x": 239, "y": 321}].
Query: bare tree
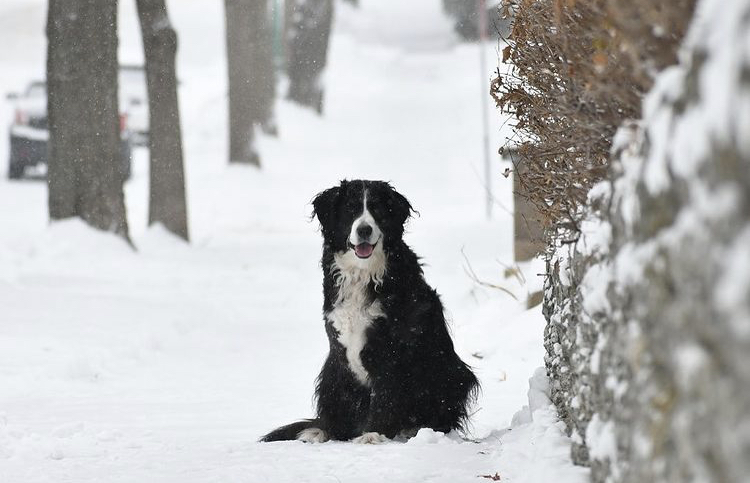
[
  {"x": 167, "y": 204},
  {"x": 308, "y": 31},
  {"x": 263, "y": 71},
  {"x": 85, "y": 163},
  {"x": 251, "y": 76}
]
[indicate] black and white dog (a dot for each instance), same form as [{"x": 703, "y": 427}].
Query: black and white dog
[{"x": 391, "y": 368}]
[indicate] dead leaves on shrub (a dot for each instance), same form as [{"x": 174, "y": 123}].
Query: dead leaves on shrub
[
  {"x": 578, "y": 70},
  {"x": 506, "y": 53}
]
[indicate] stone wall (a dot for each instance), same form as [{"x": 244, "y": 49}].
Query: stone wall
[{"x": 648, "y": 335}]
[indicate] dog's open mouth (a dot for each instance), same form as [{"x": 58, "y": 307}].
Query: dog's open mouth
[{"x": 363, "y": 250}]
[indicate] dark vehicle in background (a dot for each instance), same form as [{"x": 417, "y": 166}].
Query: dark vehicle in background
[
  {"x": 134, "y": 101},
  {"x": 29, "y": 132}
]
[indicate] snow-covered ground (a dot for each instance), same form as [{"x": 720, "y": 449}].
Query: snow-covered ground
[{"x": 167, "y": 364}]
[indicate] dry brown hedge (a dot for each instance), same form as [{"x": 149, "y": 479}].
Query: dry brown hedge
[{"x": 579, "y": 68}]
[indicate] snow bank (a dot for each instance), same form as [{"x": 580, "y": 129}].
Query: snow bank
[{"x": 535, "y": 448}]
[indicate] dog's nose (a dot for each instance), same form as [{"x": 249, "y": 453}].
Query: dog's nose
[{"x": 364, "y": 231}]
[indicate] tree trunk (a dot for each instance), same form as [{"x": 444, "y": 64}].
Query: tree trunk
[
  {"x": 309, "y": 30},
  {"x": 262, "y": 70},
  {"x": 251, "y": 76},
  {"x": 167, "y": 203},
  {"x": 85, "y": 163}
]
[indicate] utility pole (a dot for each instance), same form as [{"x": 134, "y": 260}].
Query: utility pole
[{"x": 483, "y": 35}]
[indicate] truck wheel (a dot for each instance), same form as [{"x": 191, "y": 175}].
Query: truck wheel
[
  {"x": 126, "y": 154},
  {"x": 15, "y": 171},
  {"x": 15, "y": 164}
]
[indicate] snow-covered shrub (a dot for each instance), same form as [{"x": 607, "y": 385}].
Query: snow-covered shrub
[{"x": 648, "y": 336}]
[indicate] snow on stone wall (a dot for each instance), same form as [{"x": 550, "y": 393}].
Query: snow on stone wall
[{"x": 648, "y": 335}]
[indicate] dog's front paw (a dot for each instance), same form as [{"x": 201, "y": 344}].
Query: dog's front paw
[
  {"x": 370, "y": 438},
  {"x": 312, "y": 435}
]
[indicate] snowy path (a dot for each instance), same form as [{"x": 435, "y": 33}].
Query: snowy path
[{"x": 167, "y": 364}]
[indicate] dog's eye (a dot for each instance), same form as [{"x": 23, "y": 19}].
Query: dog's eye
[{"x": 378, "y": 212}]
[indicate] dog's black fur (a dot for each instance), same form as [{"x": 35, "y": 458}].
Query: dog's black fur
[{"x": 416, "y": 380}]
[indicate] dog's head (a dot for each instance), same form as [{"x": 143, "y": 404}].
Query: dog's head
[{"x": 361, "y": 217}]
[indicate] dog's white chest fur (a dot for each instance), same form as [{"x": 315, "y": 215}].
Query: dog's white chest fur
[{"x": 353, "y": 313}]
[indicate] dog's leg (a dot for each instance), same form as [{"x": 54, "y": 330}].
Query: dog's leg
[
  {"x": 341, "y": 402},
  {"x": 370, "y": 438},
  {"x": 312, "y": 435},
  {"x": 387, "y": 415}
]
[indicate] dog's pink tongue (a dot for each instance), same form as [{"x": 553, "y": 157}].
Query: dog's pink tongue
[{"x": 363, "y": 250}]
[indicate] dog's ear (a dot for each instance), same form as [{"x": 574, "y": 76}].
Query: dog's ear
[
  {"x": 398, "y": 206},
  {"x": 324, "y": 205}
]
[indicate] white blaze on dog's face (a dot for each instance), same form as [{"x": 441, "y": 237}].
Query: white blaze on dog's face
[{"x": 365, "y": 234}]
